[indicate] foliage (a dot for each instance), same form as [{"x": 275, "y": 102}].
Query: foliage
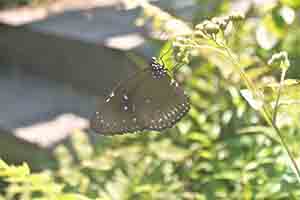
[
  {"x": 224, "y": 148},
  {"x": 27, "y": 186},
  {"x": 12, "y": 3}
]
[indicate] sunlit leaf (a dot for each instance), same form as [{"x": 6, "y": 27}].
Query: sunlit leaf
[
  {"x": 265, "y": 38},
  {"x": 255, "y": 103},
  {"x": 203, "y": 140},
  {"x": 206, "y": 154},
  {"x": 291, "y": 3},
  {"x": 165, "y": 147},
  {"x": 14, "y": 172},
  {"x": 228, "y": 175},
  {"x": 166, "y": 55},
  {"x": 72, "y": 197},
  {"x": 288, "y": 14},
  {"x": 289, "y": 99},
  {"x": 268, "y": 131}
]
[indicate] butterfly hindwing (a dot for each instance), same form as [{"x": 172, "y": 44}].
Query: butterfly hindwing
[{"x": 162, "y": 104}]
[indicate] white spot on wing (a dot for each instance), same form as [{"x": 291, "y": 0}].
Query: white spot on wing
[
  {"x": 125, "y": 97},
  {"x": 148, "y": 100}
]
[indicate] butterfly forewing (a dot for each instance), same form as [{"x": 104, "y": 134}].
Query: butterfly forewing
[
  {"x": 118, "y": 112},
  {"x": 148, "y": 101}
]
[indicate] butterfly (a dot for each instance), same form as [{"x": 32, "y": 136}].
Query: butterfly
[{"x": 148, "y": 100}]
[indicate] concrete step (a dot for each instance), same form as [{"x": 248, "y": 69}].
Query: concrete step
[
  {"x": 54, "y": 71},
  {"x": 37, "y": 114}
]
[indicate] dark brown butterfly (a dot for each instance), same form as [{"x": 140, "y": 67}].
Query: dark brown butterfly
[{"x": 149, "y": 100}]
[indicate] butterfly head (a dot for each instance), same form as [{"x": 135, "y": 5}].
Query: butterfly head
[{"x": 158, "y": 70}]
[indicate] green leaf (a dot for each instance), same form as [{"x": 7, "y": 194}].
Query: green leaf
[
  {"x": 254, "y": 102},
  {"x": 290, "y": 90},
  {"x": 203, "y": 139},
  {"x": 268, "y": 131},
  {"x": 15, "y": 172},
  {"x": 288, "y": 107},
  {"x": 228, "y": 175},
  {"x": 72, "y": 197},
  {"x": 291, "y": 3},
  {"x": 166, "y": 55}
]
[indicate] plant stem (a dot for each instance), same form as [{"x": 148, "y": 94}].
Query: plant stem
[
  {"x": 286, "y": 148},
  {"x": 265, "y": 111},
  {"x": 278, "y": 95},
  {"x": 257, "y": 94}
]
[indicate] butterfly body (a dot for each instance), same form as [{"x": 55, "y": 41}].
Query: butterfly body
[{"x": 151, "y": 100}]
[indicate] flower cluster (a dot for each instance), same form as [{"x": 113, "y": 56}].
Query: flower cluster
[{"x": 209, "y": 28}]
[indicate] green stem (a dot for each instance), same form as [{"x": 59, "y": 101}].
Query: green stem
[
  {"x": 278, "y": 96},
  {"x": 257, "y": 94},
  {"x": 265, "y": 111},
  {"x": 290, "y": 155}
]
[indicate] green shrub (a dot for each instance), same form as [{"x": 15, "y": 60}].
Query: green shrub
[
  {"x": 13, "y": 3},
  {"x": 38, "y": 186}
]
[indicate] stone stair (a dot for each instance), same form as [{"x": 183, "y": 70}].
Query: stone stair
[{"x": 53, "y": 72}]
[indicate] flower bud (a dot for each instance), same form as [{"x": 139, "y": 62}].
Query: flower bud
[
  {"x": 199, "y": 33},
  {"x": 201, "y": 26},
  {"x": 221, "y": 21},
  {"x": 212, "y": 28},
  {"x": 236, "y": 16},
  {"x": 280, "y": 59}
]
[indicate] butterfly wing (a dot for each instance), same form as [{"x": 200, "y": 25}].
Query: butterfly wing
[
  {"x": 143, "y": 102},
  {"x": 117, "y": 114},
  {"x": 161, "y": 102}
]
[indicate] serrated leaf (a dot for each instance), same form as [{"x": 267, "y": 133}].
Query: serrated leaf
[{"x": 16, "y": 172}]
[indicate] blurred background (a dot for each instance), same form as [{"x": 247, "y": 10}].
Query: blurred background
[{"x": 59, "y": 57}]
